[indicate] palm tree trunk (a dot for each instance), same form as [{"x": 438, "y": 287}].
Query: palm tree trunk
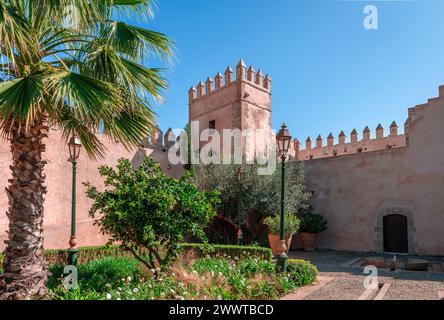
[{"x": 25, "y": 270}]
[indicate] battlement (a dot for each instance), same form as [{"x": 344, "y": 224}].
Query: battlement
[
  {"x": 250, "y": 76},
  {"x": 353, "y": 146}
]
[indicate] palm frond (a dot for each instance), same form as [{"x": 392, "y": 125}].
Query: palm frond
[
  {"x": 90, "y": 98},
  {"x": 135, "y": 41},
  {"x": 21, "y": 99}
]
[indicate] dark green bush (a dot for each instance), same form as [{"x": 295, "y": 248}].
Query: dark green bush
[
  {"x": 230, "y": 251},
  {"x": 301, "y": 272},
  {"x": 88, "y": 254},
  {"x": 313, "y": 223},
  {"x": 95, "y": 275}
]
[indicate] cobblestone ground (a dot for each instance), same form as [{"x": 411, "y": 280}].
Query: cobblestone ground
[{"x": 348, "y": 281}]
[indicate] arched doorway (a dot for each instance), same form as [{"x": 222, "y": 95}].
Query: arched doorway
[{"x": 395, "y": 230}]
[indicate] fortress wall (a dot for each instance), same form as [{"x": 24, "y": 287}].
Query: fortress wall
[
  {"x": 319, "y": 150},
  {"x": 57, "y": 219},
  {"x": 354, "y": 191}
]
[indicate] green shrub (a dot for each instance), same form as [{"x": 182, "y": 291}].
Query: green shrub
[
  {"x": 99, "y": 274},
  {"x": 301, "y": 272},
  {"x": 292, "y": 223},
  {"x": 228, "y": 251},
  {"x": 88, "y": 254},
  {"x": 148, "y": 212},
  {"x": 313, "y": 223}
]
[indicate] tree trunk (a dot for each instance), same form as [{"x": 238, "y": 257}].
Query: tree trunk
[{"x": 25, "y": 270}]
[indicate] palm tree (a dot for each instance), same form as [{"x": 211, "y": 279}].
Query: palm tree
[{"x": 74, "y": 65}]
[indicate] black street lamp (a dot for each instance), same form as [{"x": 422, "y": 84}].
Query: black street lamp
[
  {"x": 240, "y": 176},
  {"x": 74, "y": 146},
  {"x": 283, "y": 142}
]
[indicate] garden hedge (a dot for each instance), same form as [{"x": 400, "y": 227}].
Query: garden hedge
[{"x": 87, "y": 254}]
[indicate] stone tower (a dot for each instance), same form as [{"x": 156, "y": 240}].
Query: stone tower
[{"x": 241, "y": 103}]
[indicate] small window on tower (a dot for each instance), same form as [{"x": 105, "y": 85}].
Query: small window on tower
[{"x": 212, "y": 124}]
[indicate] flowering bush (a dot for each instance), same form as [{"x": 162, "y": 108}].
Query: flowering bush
[{"x": 204, "y": 278}]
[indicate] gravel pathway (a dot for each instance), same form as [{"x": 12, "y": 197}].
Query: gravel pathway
[{"x": 348, "y": 281}]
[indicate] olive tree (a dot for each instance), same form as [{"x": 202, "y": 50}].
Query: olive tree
[{"x": 261, "y": 193}]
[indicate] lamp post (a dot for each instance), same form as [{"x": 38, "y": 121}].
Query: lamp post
[
  {"x": 74, "y": 146},
  {"x": 240, "y": 176},
  {"x": 283, "y": 141}
]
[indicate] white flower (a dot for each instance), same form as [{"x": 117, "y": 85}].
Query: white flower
[
  {"x": 119, "y": 288},
  {"x": 153, "y": 271},
  {"x": 108, "y": 296},
  {"x": 135, "y": 290},
  {"x": 219, "y": 297},
  {"x": 119, "y": 299},
  {"x": 129, "y": 279},
  {"x": 172, "y": 291},
  {"x": 149, "y": 285},
  {"x": 108, "y": 285}
]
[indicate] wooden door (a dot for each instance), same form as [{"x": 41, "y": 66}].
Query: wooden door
[{"x": 395, "y": 234}]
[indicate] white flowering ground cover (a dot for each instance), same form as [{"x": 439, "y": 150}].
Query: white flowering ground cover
[{"x": 219, "y": 278}]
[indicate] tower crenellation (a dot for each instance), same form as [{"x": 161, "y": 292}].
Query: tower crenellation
[
  {"x": 219, "y": 80},
  {"x": 267, "y": 82},
  {"x": 319, "y": 142},
  {"x": 209, "y": 85},
  {"x": 330, "y": 140},
  {"x": 250, "y": 75},
  {"x": 354, "y": 136},
  {"x": 228, "y": 76},
  {"x": 200, "y": 89},
  {"x": 260, "y": 78},
  {"x": 393, "y": 129},
  {"x": 342, "y": 137},
  {"x": 366, "y": 133},
  {"x": 379, "y": 132}
]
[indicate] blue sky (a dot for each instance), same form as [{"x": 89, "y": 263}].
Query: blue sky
[{"x": 328, "y": 72}]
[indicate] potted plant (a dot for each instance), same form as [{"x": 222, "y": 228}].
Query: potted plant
[
  {"x": 292, "y": 223},
  {"x": 311, "y": 225}
]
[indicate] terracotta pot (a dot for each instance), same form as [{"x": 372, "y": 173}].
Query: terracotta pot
[
  {"x": 275, "y": 243},
  {"x": 308, "y": 240}
]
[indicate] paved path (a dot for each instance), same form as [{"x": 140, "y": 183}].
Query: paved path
[{"x": 340, "y": 281}]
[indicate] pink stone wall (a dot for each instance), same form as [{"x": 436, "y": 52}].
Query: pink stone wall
[
  {"x": 354, "y": 191},
  {"x": 58, "y": 180}
]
